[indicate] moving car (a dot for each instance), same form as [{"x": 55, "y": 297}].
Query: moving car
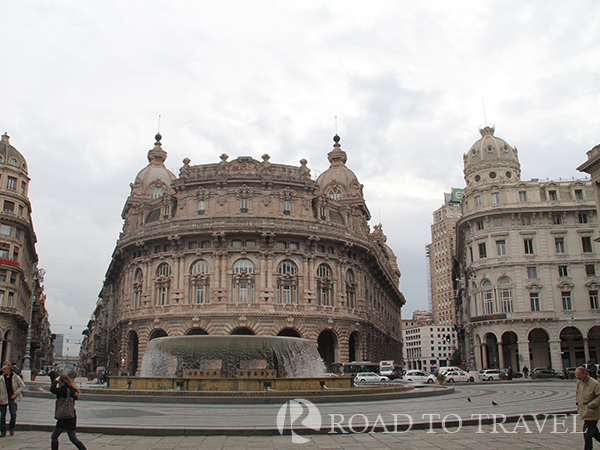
[
  {"x": 369, "y": 377},
  {"x": 544, "y": 373},
  {"x": 490, "y": 374},
  {"x": 458, "y": 375},
  {"x": 419, "y": 376}
]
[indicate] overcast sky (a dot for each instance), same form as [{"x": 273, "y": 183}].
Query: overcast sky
[{"x": 82, "y": 85}]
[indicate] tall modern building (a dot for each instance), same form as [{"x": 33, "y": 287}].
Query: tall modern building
[
  {"x": 527, "y": 264},
  {"x": 441, "y": 256},
  {"x": 249, "y": 247},
  {"x": 18, "y": 266}
]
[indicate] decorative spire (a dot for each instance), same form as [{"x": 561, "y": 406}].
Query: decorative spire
[
  {"x": 337, "y": 157},
  {"x": 157, "y": 155},
  {"x": 487, "y": 130},
  {"x": 5, "y": 138}
]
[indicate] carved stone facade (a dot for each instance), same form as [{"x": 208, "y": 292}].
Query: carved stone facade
[
  {"x": 252, "y": 247},
  {"x": 528, "y": 272}
]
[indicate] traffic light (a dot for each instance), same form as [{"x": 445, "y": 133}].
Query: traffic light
[{"x": 448, "y": 338}]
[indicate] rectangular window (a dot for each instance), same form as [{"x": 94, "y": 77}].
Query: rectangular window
[
  {"x": 2, "y": 276},
  {"x": 578, "y": 194},
  {"x": 192, "y": 245},
  {"x": 287, "y": 207},
  {"x": 4, "y": 249},
  {"x": 482, "y": 251},
  {"x": 11, "y": 183},
  {"x": 583, "y": 218},
  {"x": 534, "y": 299},
  {"x": 471, "y": 253},
  {"x": 236, "y": 243},
  {"x": 251, "y": 244},
  {"x": 526, "y": 220},
  {"x": 528, "y": 246},
  {"x": 280, "y": 245},
  {"x": 11, "y": 296},
  {"x": 9, "y": 206},
  {"x": 563, "y": 271},
  {"x": 2, "y": 298},
  {"x": 15, "y": 253},
  {"x": 498, "y": 223},
  {"x": 552, "y": 195},
  {"x": 532, "y": 273},
  {"x": 501, "y": 248},
  {"x": 559, "y": 244},
  {"x": 566, "y": 300},
  {"x": 488, "y": 302},
  {"x": 556, "y": 219},
  {"x": 205, "y": 244},
  {"x": 6, "y": 230},
  {"x": 293, "y": 246},
  {"x": 20, "y": 210},
  {"x": 586, "y": 243},
  {"x": 506, "y": 303},
  {"x": 477, "y": 202},
  {"x": 522, "y": 196},
  {"x": 495, "y": 198},
  {"x": 480, "y": 225},
  {"x": 594, "y": 300},
  {"x": 590, "y": 270},
  {"x": 201, "y": 206},
  {"x": 23, "y": 187},
  {"x": 17, "y": 233},
  {"x": 243, "y": 205}
]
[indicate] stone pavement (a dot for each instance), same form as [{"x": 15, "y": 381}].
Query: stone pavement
[{"x": 472, "y": 437}]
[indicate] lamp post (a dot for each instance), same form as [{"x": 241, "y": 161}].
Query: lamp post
[{"x": 38, "y": 275}]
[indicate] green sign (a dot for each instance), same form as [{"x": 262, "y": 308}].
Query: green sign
[{"x": 457, "y": 194}]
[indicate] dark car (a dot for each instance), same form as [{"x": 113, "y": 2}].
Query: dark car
[
  {"x": 544, "y": 373},
  {"x": 515, "y": 373}
]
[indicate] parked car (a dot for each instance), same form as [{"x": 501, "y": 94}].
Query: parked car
[
  {"x": 544, "y": 373},
  {"x": 458, "y": 375},
  {"x": 568, "y": 372},
  {"x": 419, "y": 376},
  {"x": 369, "y": 377},
  {"x": 490, "y": 374}
]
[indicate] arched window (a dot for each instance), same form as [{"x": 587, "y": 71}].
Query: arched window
[
  {"x": 13, "y": 162},
  {"x": 488, "y": 297},
  {"x": 287, "y": 282},
  {"x": 199, "y": 282},
  {"x": 138, "y": 284},
  {"x": 156, "y": 192},
  {"x": 163, "y": 284},
  {"x": 335, "y": 194},
  {"x": 350, "y": 289},
  {"x": 324, "y": 284},
  {"x": 505, "y": 294},
  {"x": 243, "y": 281}
]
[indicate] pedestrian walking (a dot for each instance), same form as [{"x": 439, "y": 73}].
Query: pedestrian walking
[
  {"x": 525, "y": 372},
  {"x": 588, "y": 403},
  {"x": 11, "y": 386},
  {"x": 63, "y": 387}
]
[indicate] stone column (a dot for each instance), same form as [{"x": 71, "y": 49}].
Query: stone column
[
  {"x": 524, "y": 355},
  {"x": 586, "y": 349},
  {"x": 263, "y": 271},
  {"x": 500, "y": 355},
  {"x": 484, "y": 356},
  {"x": 555, "y": 357},
  {"x": 223, "y": 270}
]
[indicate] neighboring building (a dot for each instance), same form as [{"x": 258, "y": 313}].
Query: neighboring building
[
  {"x": 249, "y": 247},
  {"x": 59, "y": 341},
  {"x": 18, "y": 265},
  {"x": 441, "y": 255},
  {"x": 418, "y": 318},
  {"x": 527, "y": 265},
  {"x": 592, "y": 166},
  {"x": 428, "y": 347}
]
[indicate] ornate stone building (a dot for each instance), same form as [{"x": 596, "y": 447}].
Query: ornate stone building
[
  {"x": 18, "y": 266},
  {"x": 251, "y": 247},
  {"x": 527, "y": 265}
]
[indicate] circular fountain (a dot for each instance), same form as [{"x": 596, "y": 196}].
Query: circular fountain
[{"x": 232, "y": 357}]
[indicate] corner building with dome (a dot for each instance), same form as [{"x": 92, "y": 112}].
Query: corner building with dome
[
  {"x": 248, "y": 247},
  {"x": 528, "y": 267}
]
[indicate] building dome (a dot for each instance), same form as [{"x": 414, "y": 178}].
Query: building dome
[
  {"x": 338, "y": 181},
  {"x": 491, "y": 159},
  {"x": 10, "y": 155},
  {"x": 154, "y": 179}
]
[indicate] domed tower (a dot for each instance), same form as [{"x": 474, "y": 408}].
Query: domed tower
[
  {"x": 151, "y": 194},
  {"x": 491, "y": 160},
  {"x": 340, "y": 198},
  {"x": 18, "y": 257}
]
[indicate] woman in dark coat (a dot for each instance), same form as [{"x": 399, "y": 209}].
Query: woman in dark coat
[{"x": 61, "y": 386}]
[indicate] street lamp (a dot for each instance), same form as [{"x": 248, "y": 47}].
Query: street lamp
[{"x": 38, "y": 275}]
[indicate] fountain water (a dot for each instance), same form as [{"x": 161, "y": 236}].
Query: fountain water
[{"x": 232, "y": 357}]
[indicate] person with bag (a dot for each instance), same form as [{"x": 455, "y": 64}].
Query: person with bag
[
  {"x": 11, "y": 386},
  {"x": 64, "y": 413}
]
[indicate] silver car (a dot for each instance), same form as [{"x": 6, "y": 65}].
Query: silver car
[{"x": 369, "y": 376}]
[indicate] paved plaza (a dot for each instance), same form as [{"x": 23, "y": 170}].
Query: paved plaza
[{"x": 443, "y": 422}]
